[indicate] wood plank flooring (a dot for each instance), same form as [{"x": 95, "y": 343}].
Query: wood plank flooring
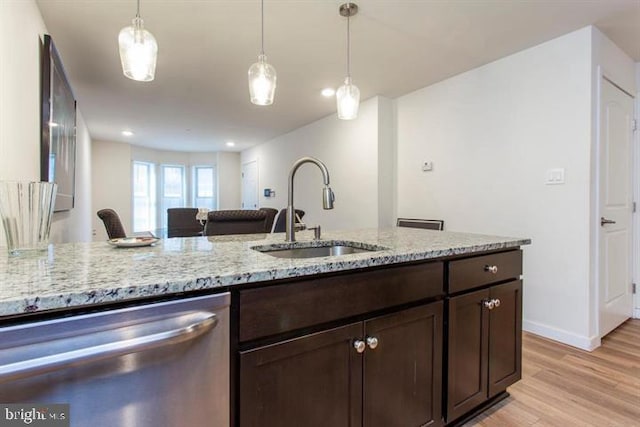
[{"x": 566, "y": 387}]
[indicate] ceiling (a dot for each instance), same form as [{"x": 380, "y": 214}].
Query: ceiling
[{"x": 199, "y": 99}]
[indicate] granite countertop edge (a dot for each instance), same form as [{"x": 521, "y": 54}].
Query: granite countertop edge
[{"x": 42, "y": 300}]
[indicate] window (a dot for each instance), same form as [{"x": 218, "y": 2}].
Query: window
[
  {"x": 172, "y": 190},
  {"x": 204, "y": 187},
  {"x": 144, "y": 190},
  {"x": 157, "y": 188}
]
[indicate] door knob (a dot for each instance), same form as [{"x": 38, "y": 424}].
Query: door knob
[
  {"x": 359, "y": 345},
  {"x": 496, "y": 303},
  {"x": 489, "y": 303},
  {"x": 604, "y": 221},
  {"x": 372, "y": 342}
]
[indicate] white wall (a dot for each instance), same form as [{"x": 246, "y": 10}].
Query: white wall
[
  {"x": 349, "y": 149},
  {"x": 492, "y": 133},
  {"x": 229, "y": 181},
  {"x": 386, "y": 163},
  {"x": 21, "y": 30},
  {"x": 111, "y": 183}
]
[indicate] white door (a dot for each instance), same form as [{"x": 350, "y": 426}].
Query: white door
[
  {"x": 615, "y": 194},
  {"x": 250, "y": 185}
]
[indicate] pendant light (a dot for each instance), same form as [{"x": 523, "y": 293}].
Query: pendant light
[
  {"x": 348, "y": 95},
  {"x": 262, "y": 76},
  {"x": 138, "y": 50}
]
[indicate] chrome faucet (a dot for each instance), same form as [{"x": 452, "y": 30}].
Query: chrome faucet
[{"x": 327, "y": 194}]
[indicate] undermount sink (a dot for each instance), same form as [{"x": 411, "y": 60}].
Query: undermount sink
[{"x": 316, "y": 249}]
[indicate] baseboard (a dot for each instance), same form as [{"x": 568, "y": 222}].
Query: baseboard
[{"x": 565, "y": 337}]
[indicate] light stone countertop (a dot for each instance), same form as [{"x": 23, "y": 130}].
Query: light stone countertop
[{"x": 79, "y": 274}]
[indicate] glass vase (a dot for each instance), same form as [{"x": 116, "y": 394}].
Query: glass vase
[{"x": 25, "y": 210}]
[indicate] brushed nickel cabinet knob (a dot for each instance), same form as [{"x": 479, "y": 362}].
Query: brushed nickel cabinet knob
[
  {"x": 372, "y": 342},
  {"x": 491, "y": 269}
]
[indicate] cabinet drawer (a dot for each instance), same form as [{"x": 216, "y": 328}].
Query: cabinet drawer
[
  {"x": 469, "y": 273},
  {"x": 275, "y": 309}
]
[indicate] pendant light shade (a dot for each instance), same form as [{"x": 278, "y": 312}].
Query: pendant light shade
[
  {"x": 262, "y": 82},
  {"x": 348, "y": 98},
  {"x": 348, "y": 95},
  {"x": 262, "y": 75},
  {"x": 138, "y": 50}
]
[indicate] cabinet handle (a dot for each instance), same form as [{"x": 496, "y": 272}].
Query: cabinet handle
[
  {"x": 491, "y": 269},
  {"x": 489, "y": 303},
  {"x": 372, "y": 342},
  {"x": 359, "y": 345},
  {"x": 496, "y": 303}
]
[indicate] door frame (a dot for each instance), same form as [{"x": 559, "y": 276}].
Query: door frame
[
  {"x": 636, "y": 198},
  {"x": 595, "y": 217}
]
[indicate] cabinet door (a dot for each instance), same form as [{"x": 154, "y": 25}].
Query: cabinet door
[
  {"x": 505, "y": 337},
  {"x": 403, "y": 373},
  {"x": 468, "y": 335},
  {"x": 314, "y": 380}
]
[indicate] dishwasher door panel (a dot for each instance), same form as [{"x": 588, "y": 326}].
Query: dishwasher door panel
[{"x": 164, "y": 364}]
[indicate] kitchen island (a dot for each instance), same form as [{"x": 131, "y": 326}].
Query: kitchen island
[{"x": 373, "y": 338}]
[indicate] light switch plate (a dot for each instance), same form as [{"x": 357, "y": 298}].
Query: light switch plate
[{"x": 555, "y": 176}]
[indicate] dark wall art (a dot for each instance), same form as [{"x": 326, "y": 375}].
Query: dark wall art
[{"x": 58, "y": 145}]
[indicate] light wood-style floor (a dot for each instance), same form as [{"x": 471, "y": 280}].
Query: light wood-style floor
[{"x": 566, "y": 387}]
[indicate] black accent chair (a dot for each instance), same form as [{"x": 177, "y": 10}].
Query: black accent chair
[
  {"x": 281, "y": 221},
  {"x": 235, "y": 222},
  {"x": 111, "y": 220},
  {"x": 429, "y": 224},
  {"x": 271, "y": 216},
  {"x": 182, "y": 222}
]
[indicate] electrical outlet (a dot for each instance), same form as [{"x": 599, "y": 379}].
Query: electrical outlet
[{"x": 427, "y": 166}]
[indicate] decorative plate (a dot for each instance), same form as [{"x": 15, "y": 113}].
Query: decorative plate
[{"x": 133, "y": 242}]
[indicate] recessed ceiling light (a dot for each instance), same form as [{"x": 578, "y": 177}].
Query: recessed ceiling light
[
  {"x": 328, "y": 92},
  {"x": 127, "y": 133},
  {"x": 231, "y": 144}
]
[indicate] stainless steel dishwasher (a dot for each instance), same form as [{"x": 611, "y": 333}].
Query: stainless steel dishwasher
[{"x": 162, "y": 364}]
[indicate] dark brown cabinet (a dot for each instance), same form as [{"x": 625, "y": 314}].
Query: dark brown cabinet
[
  {"x": 380, "y": 347},
  {"x": 314, "y": 380},
  {"x": 484, "y": 345},
  {"x": 385, "y": 371},
  {"x": 505, "y": 337},
  {"x": 468, "y": 332},
  {"x": 402, "y": 381}
]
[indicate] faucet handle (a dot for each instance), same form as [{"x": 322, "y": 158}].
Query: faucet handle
[
  {"x": 298, "y": 225},
  {"x": 316, "y": 232}
]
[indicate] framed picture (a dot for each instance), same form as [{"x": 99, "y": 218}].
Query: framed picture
[{"x": 58, "y": 145}]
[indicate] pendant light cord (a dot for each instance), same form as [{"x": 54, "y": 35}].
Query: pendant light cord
[
  {"x": 349, "y": 45},
  {"x": 261, "y": 25},
  {"x": 138, "y": 10}
]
